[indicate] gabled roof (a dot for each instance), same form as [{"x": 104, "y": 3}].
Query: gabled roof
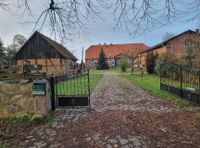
[
  {"x": 59, "y": 47},
  {"x": 55, "y": 45},
  {"x": 112, "y": 50},
  {"x": 166, "y": 41}
]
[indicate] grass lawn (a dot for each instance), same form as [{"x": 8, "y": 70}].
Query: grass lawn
[
  {"x": 151, "y": 84},
  {"x": 79, "y": 86}
]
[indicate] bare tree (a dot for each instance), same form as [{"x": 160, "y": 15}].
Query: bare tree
[
  {"x": 24, "y": 4},
  {"x": 18, "y": 40},
  {"x": 67, "y": 17},
  {"x": 3, "y": 4}
]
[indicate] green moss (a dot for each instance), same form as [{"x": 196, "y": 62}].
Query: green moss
[{"x": 44, "y": 120}]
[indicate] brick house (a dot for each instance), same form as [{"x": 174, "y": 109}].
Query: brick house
[
  {"x": 41, "y": 50},
  {"x": 176, "y": 46},
  {"x": 113, "y": 53}
]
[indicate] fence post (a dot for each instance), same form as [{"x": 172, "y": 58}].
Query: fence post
[
  {"x": 160, "y": 75},
  {"x": 89, "y": 86},
  {"x": 132, "y": 67},
  {"x": 181, "y": 81},
  {"x": 52, "y": 85},
  {"x": 199, "y": 86}
]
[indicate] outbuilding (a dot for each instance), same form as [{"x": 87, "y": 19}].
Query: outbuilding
[{"x": 51, "y": 55}]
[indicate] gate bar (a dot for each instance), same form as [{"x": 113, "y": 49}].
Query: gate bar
[{"x": 52, "y": 85}]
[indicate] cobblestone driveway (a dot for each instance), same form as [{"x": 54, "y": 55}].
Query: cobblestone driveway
[
  {"x": 112, "y": 93},
  {"x": 115, "y": 92}
]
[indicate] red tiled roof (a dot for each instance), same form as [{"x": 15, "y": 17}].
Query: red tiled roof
[{"x": 112, "y": 50}]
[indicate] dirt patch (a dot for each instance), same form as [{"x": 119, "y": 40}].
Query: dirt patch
[
  {"x": 169, "y": 129},
  {"x": 13, "y": 133}
]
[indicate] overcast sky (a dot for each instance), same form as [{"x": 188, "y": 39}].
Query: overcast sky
[{"x": 97, "y": 32}]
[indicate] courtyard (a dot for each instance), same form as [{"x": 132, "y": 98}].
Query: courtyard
[
  {"x": 100, "y": 74},
  {"x": 121, "y": 115}
]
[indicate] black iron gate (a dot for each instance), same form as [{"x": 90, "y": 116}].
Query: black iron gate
[
  {"x": 181, "y": 80},
  {"x": 72, "y": 89}
]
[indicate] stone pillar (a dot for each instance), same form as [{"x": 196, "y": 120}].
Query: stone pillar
[{"x": 43, "y": 102}]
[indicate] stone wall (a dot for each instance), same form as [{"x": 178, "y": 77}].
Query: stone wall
[{"x": 17, "y": 99}]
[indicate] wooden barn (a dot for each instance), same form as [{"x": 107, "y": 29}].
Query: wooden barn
[{"x": 41, "y": 50}]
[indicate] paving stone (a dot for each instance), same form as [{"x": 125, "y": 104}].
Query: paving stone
[
  {"x": 108, "y": 146},
  {"x": 51, "y": 139},
  {"x": 126, "y": 146},
  {"x": 123, "y": 141},
  {"x": 107, "y": 137},
  {"x": 26, "y": 141},
  {"x": 88, "y": 139},
  {"x": 115, "y": 145},
  {"x": 33, "y": 147},
  {"x": 38, "y": 143},
  {"x": 29, "y": 137},
  {"x": 96, "y": 136},
  {"x": 42, "y": 145},
  {"x": 112, "y": 141},
  {"x": 118, "y": 136},
  {"x": 55, "y": 145}
]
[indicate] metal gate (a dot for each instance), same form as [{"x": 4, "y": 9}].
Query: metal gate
[
  {"x": 181, "y": 80},
  {"x": 71, "y": 89}
]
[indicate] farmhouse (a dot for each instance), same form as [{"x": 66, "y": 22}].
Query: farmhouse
[
  {"x": 113, "y": 53},
  {"x": 41, "y": 50},
  {"x": 175, "y": 46}
]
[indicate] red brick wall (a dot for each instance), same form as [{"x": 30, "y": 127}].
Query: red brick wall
[{"x": 177, "y": 46}]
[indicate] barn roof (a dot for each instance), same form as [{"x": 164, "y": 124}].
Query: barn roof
[
  {"x": 112, "y": 50},
  {"x": 167, "y": 41},
  {"x": 51, "y": 43}
]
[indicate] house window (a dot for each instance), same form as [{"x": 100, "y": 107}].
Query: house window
[
  {"x": 90, "y": 62},
  {"x": 113, "y": 62}
]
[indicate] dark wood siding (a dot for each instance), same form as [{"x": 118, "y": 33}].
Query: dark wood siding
[{"x": 37, "y": 48}]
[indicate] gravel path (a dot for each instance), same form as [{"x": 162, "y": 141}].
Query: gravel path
[{"x": 98, "y": 126}]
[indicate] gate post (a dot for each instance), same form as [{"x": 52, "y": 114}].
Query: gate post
[{"x": 52, "y": 84}]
